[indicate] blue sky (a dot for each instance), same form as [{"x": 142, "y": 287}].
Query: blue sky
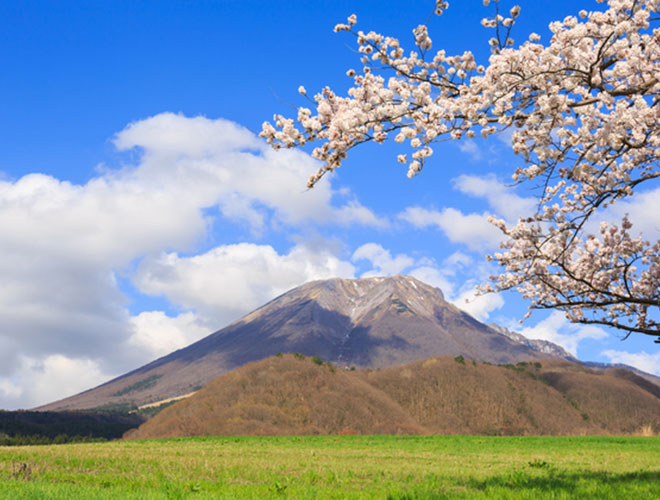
[{"x": 139, "y": 211}]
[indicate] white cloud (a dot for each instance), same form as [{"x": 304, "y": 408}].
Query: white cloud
[
  {"x": 643, "y": 210},
  {"x": 63, "y": 245},
  {"x": 464, "y": 270},
  {"x": 501, "y": 198},
  {"x": 231, "y": 280},
  {"x": 458, "y": 260},
  {"x": 176, "y": 136},
  {"x": 435, "y": 277},
  {"x": 11, "y": 392},
  {"x": 473, "y": 230},
  {"x": 53, "y": 304},
  {"x": 478, "y": 306},
  {"x": 444, "y": 275},
  {"x": 354, "y": 213},
  {"x": 470, "y": 148},
  {"x": 382, "y": 260},
  {"x": 644, "y": 361},
  {"x": 157, "y": 334},
  {"x": 219, "y": 286},
  {"x": 50, "y": 378},
  {"x": 556, "y": 328},
  {"x": 219, "y": 162},
  {"x": 106, "y": 221}
]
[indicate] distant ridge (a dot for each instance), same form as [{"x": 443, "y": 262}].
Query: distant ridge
[
  {"x": 366, "y": 323},
  {"x": 291, "y": 394},
  {"x": 543, "y": 346},
  {"x": 620, "y": 367}
]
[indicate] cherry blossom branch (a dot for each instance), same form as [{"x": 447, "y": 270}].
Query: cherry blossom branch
[{"x": 585, "y": 122}]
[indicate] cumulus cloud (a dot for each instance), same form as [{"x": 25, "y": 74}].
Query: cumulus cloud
[
  {"x": 218, "y": 286},
  {"x": 478, "y": 306},
  {"x": 49, "y": 378},
  {"x": 220, "y": 162},
  {"x": 230, "y": 280},
  {"x": 63, "y": 245},
  {"x": 472, "y": 230},
  {"x": 458, "y": 260},
  {"x": 444, "y": 276},
  {"x": 157, "y": 334},
  {"x": 644, "y": 361},
  {"x": 556, "y": 328},
  {"x": 642, "y": 208},
  {"x": 52, "y": 303},
  {"x": 501, "y": 198},
  {"x": 352, "y": 212},
  {"x": 381, "y": 259},
  {"x": 436, "y": 277}
]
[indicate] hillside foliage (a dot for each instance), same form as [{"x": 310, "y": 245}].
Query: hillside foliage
[
  {"x": 49, "y": 427},
  {"x": 294, "y": 395}
]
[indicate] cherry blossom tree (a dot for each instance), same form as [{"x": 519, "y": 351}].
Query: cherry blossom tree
[{"x": 584, "y": 114}]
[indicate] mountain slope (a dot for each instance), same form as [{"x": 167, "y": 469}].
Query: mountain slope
[
  {"x": 288, "y": 395},
  {"x": 367, "y": 323},
  {"x": 283, "y": 396}
]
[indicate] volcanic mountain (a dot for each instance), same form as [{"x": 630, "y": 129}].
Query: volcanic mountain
[{"x": 366, "y": 323}]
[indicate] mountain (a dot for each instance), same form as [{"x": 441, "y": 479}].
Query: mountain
[
  {"x": 655, "y": 380},
  {"x": 543, "y": 346},
  {"x": 366, "y": 323},
  {"x": 291, "y": 394}
]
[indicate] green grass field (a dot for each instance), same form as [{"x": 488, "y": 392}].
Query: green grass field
[{"x": 338, "y": 467}]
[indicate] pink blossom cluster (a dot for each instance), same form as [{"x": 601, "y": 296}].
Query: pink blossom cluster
[{"x": 584, "y": 112}]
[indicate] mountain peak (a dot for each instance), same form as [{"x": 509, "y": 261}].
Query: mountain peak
[{"x": 355, "y": 298}]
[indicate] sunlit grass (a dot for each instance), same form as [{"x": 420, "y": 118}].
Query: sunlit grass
[{"x": 338, "y": 467}]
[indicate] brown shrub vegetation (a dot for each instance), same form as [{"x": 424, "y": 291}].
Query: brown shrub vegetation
[
  {"x": 288, "y": 395},
  {"x": 282, "y": 396}
]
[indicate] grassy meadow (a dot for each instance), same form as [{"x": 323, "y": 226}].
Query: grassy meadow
[{"x": 398, "y": 467}]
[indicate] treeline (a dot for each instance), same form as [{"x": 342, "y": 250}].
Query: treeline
[
  {"x": 49, "y": 427},
  {"x": 35, "y": 439}
]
